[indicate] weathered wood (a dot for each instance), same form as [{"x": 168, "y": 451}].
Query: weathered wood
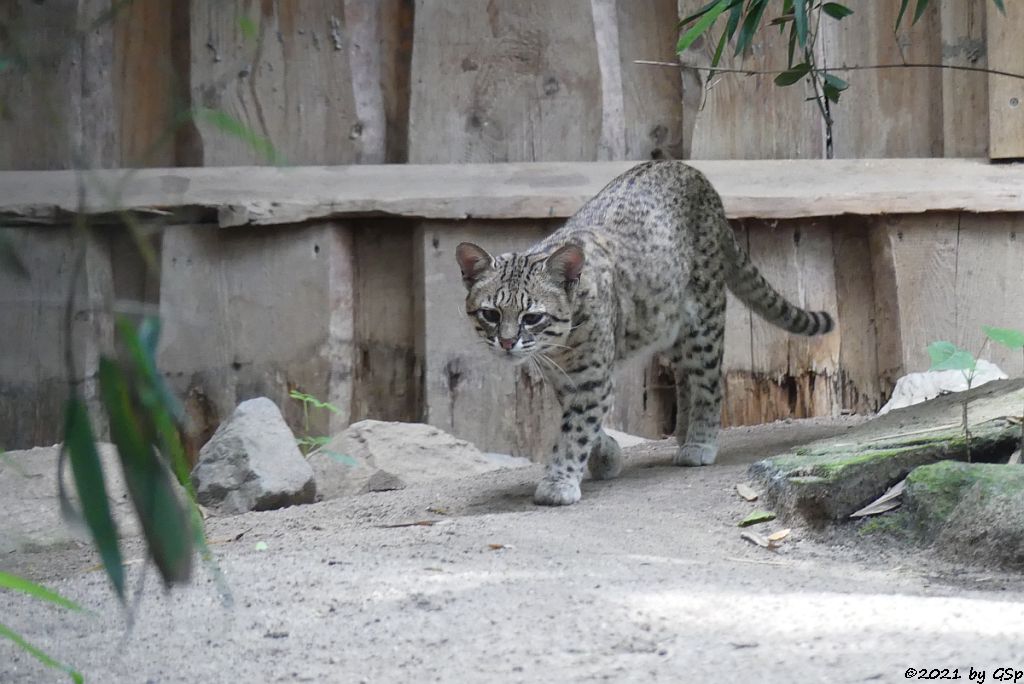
[
  {"x": 652, "y": 97},
  {"x": 34, "y": 376},
  {"x": 520, "y": 82},
  {"x": 856, "y": 316},
  {"x": 788, "y": 125},
  {"x": 771, "y": 189},
  {"x": 387, "y": 371},
  {"x": 258, "y": 315},
  {"x": 888, "y": 112},
  {"x": 964, "y": 93},
  {"x": 924, "y": 265},
  {"x": 794, "y": 376},
  {"x": 989, "y": 282},
  {"x": 307, "y": 77},
  {"x": 1006, "y": 95},
  {"x": 46, "y": 124}
]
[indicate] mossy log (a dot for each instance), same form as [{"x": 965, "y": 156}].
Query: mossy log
[{"x": 829, "y": 479}]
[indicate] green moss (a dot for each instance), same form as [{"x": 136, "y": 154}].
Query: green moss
[
  {"x": 894, "y": 524},
  {"x": 934, "y": 491}
]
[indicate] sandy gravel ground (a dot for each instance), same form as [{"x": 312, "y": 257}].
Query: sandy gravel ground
[{"x": 646, "y": 579}]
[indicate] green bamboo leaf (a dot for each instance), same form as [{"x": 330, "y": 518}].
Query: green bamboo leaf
[
  {"x": 39, "y": 654},
  {"x": 164, "y": 521},
  {"x": 92, "y": 492},
  {"x": 830, "y": 92},
  {"x": 800, "y": 21},
  {"x": 903, "y": 10},
  {"x": 999, "y": 6},
  {"x": 751, "y": 23},
  {"x": 792, "y": 46},
  {"x": 15, "y": 583},
  {"x": 235, "y": 128},
  {"x": 791, "y": 76},
  {"x": 835, "y": 10},
  {"x": 699, "y": 13},
  {"x": 1008, "y": 337},
  {"x": 922, "y": 5},
  {"x": 702, "y": 25},
  {"x": 836, "y": 82}
]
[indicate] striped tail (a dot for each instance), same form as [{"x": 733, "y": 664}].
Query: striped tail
[{"x": 747, "y": 283}]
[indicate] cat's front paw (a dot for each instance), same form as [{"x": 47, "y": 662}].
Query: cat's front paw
[
  {"x": 556, "y": 493},
  {"x": 695, "y": 455}
]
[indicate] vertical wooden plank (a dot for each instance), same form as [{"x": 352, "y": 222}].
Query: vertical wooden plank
[
  {"x": 396, "y": 40},
  {"x": 257, "y": 314},
  {"x": 468, "y": 390},
  {"x": 795, "y": 376},
  {"x": 856, "y": 319},
  {"x": 787, "y": 126},
  {"x": 386, "y": 384},
  {"x": 738, "y": 360},
  {"x": 34, "y": 377},
  {"x": 1006, "y": 95},
  {"x": 305, "y": 76},
  {"x": 520, "y": 82},
  {"x": 989, "y": 283},
  {"x": 57, "y": 96},
  {"x": 145, "y": 83},
  {"x": 887, "y": 112},
  {"x": 964, "y": 94},
  {"x": 652, "y": 96},
  {"x": 924, "y": 265}
]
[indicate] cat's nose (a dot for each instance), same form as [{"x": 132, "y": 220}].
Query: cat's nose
[{"x": 506, "y": 344}]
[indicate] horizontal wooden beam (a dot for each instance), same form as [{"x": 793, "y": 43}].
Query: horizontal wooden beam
[{"x": 767, "y": 189}]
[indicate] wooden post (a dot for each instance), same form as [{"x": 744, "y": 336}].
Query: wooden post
[{"x": 1005, "y": 94}]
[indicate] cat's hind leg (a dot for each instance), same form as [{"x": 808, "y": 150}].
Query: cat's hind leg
[{"x": 697, "y": 360}]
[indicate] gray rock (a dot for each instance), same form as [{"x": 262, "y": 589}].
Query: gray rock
[
  {"x": 373, "y": 455},
  {"x": 252, "y": 463},
  {"x": 29, "y": 507}
]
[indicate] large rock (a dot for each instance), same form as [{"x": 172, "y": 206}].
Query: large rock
[
  {"x": 832, "y": 478},
  {"x": 373, "y": 455},
  {"x": 29, "y": 507},
  {"x": 972, "y": 512},
  {"x": 252, "y": 463}
]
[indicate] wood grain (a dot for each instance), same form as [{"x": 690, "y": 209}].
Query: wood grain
[
  {"x": 964, "y": 93},
  {"x": 770, "y": 189},
  {"x": 889, "y": 112},
  {"x": 787, "y": 126},
  {"x": 1005, "y": 94}
]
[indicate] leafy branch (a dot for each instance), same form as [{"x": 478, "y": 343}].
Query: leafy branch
[{"x": 743, "y": 19}]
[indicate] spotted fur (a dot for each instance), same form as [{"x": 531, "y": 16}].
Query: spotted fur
[{"x": 641, "y": 268}]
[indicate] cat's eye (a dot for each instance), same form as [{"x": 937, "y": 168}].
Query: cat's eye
[
  {"x": 533, "y": 318},
  {"x": 491, "y": 316}
]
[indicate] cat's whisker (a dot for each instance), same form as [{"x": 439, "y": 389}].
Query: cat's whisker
[{"x": 545, "y": 357}]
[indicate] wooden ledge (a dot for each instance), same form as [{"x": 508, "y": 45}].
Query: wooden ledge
[{"x": 260, "y": 195}]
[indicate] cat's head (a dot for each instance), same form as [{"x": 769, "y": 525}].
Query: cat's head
[{"x": 520, "y": 303}]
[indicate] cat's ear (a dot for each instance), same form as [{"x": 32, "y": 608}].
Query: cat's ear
[
  {"x": 566, "y": 264},
  {"x": 473, "y": 261}
]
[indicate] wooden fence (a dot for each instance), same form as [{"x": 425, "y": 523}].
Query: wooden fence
[{"x": 348, "y": 290}]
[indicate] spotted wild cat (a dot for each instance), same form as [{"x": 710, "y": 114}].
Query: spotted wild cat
[{"x": 642, "y": 267}]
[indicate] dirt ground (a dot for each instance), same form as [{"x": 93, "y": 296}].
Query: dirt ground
[{"x": 647, "y": 579}]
